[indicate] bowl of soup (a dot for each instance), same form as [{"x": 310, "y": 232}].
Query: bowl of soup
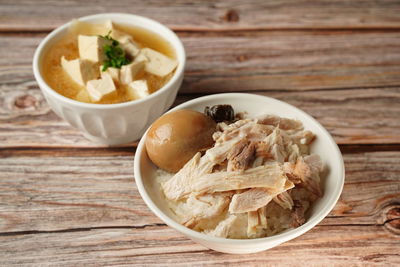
[{"x": 110, "y": 75}]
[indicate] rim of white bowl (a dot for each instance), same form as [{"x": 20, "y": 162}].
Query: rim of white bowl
[
  {"x": 176, "y": 44},
  {"x": 278, "y": 238}
]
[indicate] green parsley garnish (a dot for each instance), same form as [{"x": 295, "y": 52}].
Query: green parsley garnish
[{"x": 115, "y": 55}]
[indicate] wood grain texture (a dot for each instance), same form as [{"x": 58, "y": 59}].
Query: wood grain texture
[
  {"x": 349, "y": 82},
  {"x": 65, "y": 190},
  {"x": 33, "y": 15},
  {"x": 322, "y": 246},
  {"x": 363, "y": 116},
  {"x": 67, "y": 202},
  {"x": 291, "y": 61},
  {"x": 253, "y": 61},
  {"x": 64, "y": 209}
]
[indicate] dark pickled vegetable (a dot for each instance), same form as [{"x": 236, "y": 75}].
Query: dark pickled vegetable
[{"x": 220, "y": 113}]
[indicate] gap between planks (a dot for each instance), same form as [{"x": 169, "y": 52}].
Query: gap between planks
[
  {"x": 193, "y": 95},
  {"x": 211, "y": 31},
  {"x": 80, "y": 229},
  {"x": 283, "y": 90},
  {"x": 155, "y": 225},
  {"x": 130, "y": 149}
]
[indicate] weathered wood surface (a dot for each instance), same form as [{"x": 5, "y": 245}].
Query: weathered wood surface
[
  {"x": 364, "y": 116},
  {"x": 60, "y": 209},
  {"x": 254, "y": 61},
  {"x": 348, "y": 81},
  {"x": 343, "y": 245},
  {"x": 33, "y": 15},
  {"x": 67, "y": 202},
  {"x": 61, "y": 190}
]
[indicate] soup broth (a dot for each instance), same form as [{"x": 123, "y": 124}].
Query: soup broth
[{"x": 67, "y": 46}]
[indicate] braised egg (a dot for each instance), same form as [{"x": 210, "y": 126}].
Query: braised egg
[{"x": 176, "y": 137}]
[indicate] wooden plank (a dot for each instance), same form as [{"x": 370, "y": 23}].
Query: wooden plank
[
  {"x": 253, "y": 61},
  {"x": 294, "y": 60},
  {"x": 322, "y": 246},
  {"x": 324, "y": 73},
  {"x": 60, "y": 190},
  {"x": 65, "y": 192},
  {"x": 29, "y": 15},
  {"x": 363, "y": 116}
]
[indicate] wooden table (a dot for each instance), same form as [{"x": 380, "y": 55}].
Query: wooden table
[{"x": 67, "y": 201}]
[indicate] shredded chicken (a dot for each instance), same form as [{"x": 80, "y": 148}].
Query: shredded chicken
[
  {"x": 270, "y": 176},
  {"x": 256, "y": 223},
  {"x": 252, "y": 223},
  {"x": 294, "y": 153},
  {"x": 240, "y": 156},
  {"x": 298, "y": 214},
  {"x": 284, "y": 200},
  {"x": 278, "y": 153},
  {"x": 219, "y": 152},
  {"x": 258, "y": 162},
  {"x": 257, "y": 180},
  {"x": 202, "y": 207},
  {"x": 255, "y": 198},
  {"x": 262, "y": 216},
  {"x": 223, "y": 228},
  {"x": 250, "y": 200},
  {"x": 308, "y": 170},
  {"x": 238, "y": 129},
  {"x": 259, "y": 131},
  {"x": 288, "y": 168},
  {"x": 282, "y": 123},
  {"x": 198, "y": 166},
  {"x": 262, "y": 150},
  {"x": 303, "y": 137}
]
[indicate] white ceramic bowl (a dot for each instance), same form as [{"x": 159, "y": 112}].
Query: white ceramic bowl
[
  {"x": 324, "y": 145},
  {"x": 113, "y": 124}
]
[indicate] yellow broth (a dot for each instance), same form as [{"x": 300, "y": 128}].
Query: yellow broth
[{"x": 67, "y": 46}]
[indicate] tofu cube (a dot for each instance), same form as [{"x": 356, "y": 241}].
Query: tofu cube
[
  {"x": 100, "y": 88},
  {"x": 158, "y": 63},
  {"x": 121, "y": 37},
  {"x": 140, "y": 57},
  {"x": 138, "y": 89},
  {"x": 131, "y": 48},
  {"x": 126, "y": 41},
  {"x": 113, "y": 72},
  {"x": 116, "y": 34},
  {"x": 108, "y": 25},
  {"x": 80, "y": 70},
  {"x": 128, "y": 72},
  {"x": 91, "y": 47}
]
